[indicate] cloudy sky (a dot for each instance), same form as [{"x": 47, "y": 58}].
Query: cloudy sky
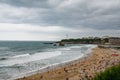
[{"x": 54, "y": 19}]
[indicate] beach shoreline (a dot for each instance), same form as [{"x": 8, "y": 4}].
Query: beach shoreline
[
  {"x": 56, "y": 65},
  {"x": 98, "y": 60}
]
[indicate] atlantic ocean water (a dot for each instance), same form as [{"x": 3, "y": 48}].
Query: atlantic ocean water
[{"x": 21, "y": 57}]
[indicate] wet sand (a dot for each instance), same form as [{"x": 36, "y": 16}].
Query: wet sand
[{"x": 97, "y": 61}]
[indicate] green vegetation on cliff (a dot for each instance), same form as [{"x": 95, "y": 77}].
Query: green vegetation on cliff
[
  {"x": 112, "y": 73},
  {"x": 83, "y": 40}
]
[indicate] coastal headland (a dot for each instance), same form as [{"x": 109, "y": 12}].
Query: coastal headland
[{"x": 82, "y": 69}]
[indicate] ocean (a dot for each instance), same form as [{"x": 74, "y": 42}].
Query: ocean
[{"x": 22, "y": 57}]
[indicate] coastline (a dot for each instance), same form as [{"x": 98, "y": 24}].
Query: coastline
[
  {"x": 56, "y": 65},
  {"x": 79, "y": 69}
]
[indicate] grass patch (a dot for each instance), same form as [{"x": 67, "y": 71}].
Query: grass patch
[{"x": 112, "y": 73}]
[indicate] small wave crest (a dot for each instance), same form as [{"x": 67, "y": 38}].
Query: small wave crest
[
  {"x": 17, "y": 56},
  {"x": 25, "y": 58},
  {"x": 69, "y": 48},
  {"x": 22, "y": 55},
  {"x": 4, "y": 48}
]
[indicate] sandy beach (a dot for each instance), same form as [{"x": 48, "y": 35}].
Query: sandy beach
[{"x": 97, "y": 61}]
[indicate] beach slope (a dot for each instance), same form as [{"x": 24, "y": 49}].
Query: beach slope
[{"x": 82, "y": 69}]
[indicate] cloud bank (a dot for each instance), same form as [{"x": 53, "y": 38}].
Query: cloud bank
[{"x": 74, "y": 17}]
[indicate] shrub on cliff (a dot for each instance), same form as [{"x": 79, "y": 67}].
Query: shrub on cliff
[{"x": 112, "y": 73}]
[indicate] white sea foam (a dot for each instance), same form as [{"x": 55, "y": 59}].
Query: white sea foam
[
  {"x": 69, "y": 48},
  {"x": 28, "y": 58},
  {"x": 65, "y": 48},
  {"x": 75, "y": 46},
  {"x": 58, "y": 57},
  {"x": 22, "y": 55}
]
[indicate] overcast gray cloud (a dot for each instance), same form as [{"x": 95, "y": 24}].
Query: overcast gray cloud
[
  {"x": 95, "y": 15},
  {"x": 78, "y": 13},
  {"x": 27, "y": 3}
]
